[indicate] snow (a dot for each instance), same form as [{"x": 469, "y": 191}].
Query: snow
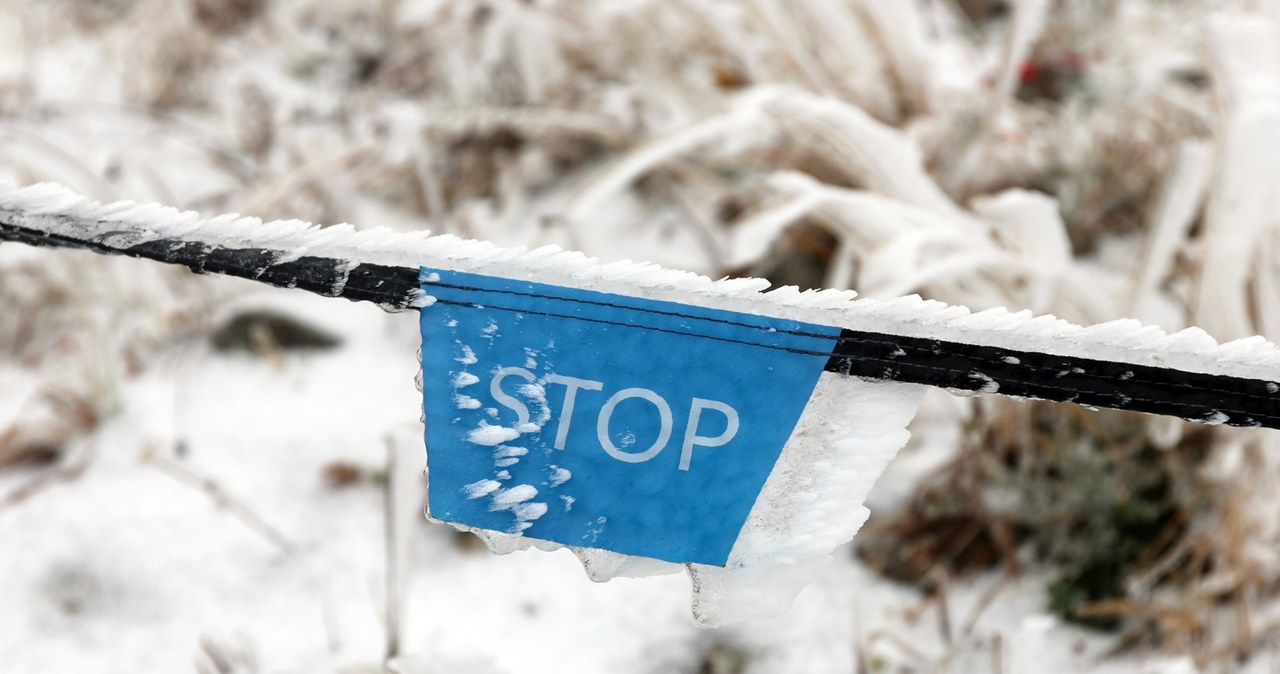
[
  {"x": 1216, "y": 418},
  {"x": 466, "y": 402},
  {"x": 987, "y": 387},
  {"x": 527, "y": 512},
  {"x": 482, "y": 488},
  {"x": 519, "y": 500},
  {"x": 492, "y": 435},
  {"x": 509, "y": 497},
  {"x": 507, "y": 451}
]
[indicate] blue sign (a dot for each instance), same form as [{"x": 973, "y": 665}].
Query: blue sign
[{"x": 606, "y": 421}]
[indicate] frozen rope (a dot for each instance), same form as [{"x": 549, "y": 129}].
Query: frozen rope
[{"x": 49, "y": 216}]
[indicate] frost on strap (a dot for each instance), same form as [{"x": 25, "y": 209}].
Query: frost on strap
[{"x": 1122, "y": 365}]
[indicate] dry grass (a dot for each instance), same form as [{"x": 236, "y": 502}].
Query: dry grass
[{"x": 1142, "y": 536}]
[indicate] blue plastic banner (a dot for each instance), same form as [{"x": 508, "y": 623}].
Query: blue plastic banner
[{"x": 606, "y": 421}]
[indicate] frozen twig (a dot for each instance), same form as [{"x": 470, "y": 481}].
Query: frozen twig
[
  {"x": 226, "y": 656},
  {"x": 1180, "y": 201},
  {"x": 392, "y": 559},
  {"x": 984, "y": 602},
  {"x": 402, "y": 505}
]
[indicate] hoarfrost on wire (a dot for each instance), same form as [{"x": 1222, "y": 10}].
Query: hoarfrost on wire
[{"x": 54, "y": 209}]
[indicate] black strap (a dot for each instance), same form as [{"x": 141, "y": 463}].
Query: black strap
[{"x": 952, "y": 365}]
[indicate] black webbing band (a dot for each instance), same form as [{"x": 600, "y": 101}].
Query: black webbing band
[{"x": 952, "y": 365}]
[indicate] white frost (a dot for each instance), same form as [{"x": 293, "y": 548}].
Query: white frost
[
  {"x": 465, "y": 402},
  {"x": 518, "y": 500},
  {"x": 492, "y": 435},
  {"x": 508, "y": 451},
  {"x": 851, "y": 427},
  {"x": 558, "y": 476},
  {"x": 989, "y": 385},
  {"x": 1216, "y": 419},
  {"x": 481, "y": 488},
  {"x": 507, "y": 498},
  {"x": 527, "y": 512},
  {"x": 55, "y": 209}
]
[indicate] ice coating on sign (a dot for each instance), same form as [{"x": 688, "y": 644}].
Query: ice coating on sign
[
  {"x": 811, "y": 504},
  {"x": 614, "y": 430},
  {"x": 559, "y": 476},
  {"x": 465, "y": 379},
  {"x": 513, "y": 496},
  {"x": 671, "y": 416}
]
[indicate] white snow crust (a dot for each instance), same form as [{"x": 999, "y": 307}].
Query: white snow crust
[{"x": 812, "y": 501}]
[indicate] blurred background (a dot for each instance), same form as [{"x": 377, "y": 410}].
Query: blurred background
[{"x": 199, "y": 473}]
